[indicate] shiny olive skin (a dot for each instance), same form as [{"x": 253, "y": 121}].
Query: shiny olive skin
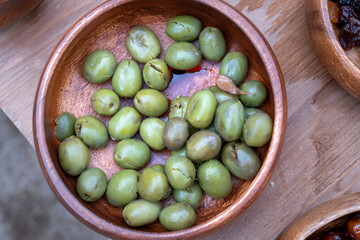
[
  {"x": 92, "y": 131},
  {"x": 131, "y": 154},
  {"x": 229, "y": 120},
  {"x": 181, "y": 152},
  {"x": 65, "y": 126},
  {"x": 178, "y": 107},
  {"x": 222, "y": 96},
  {"x": 234, "y": 66},
  {"x": 156, "y": 74},
  {"x": 141, "y": 212},
  {"x": 241, "y": 160},
  {"x": 177, "y": 216},
  {"x": 105, "y": 102},
  {"x": 91, "y": 184},
  {"x": 153, "y": 185},
  {"x": 127, "y": 79},
  {"x": 258, "y": 130},
  {"x": 214, "y": 179},
  {"x": 180, "y": 172},
  {"x": 183, "y": 28},
  {"x": 151, "y": 130},
  {"x": 161, "y": 168},
  {"x": 203, "y": 145},
  {"x": 201, "y": 109},
  {"x": 143, "y": 44},
  {"x": 212, "y": 44},
  {"x": 182, "y": 56},
  {"x": 257, "y": 93},
  {"x": 125, "y": 123},
  {"x": 74, "y": 156},
  {"x": 151, "y": 102},
  {"x": 192, "y": 195},
  {"x": 175, "y": 133},
  {"x": 251, "y": 111},
  {"x": 122, "y": 187},
  {"x": 99, "y": 66}
]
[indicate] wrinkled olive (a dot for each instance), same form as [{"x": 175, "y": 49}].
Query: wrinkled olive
[
  {"x": 125, "y": 123},
  {"x": 203, "y": 146},
  {"x": 214, "y": 179},
  {"x": 99, "y": 66},
  {"x": 141, "y": 212},
  {"x": 177, "y": 216},
  {"x": 153, "y": 185},
  {"x": 180, "y": 172},
  {"x": 161, "y": 168},
  {"x": 212, "y": 44},
  {"x": 178, "y": 107},
  {"x": 92, "y": 131},
  {"x": 251, "y": 111},
  {"x": 143, "y": 44},
  {"x": 201, "y": 109},
  {"x": 151, "y": 130},
  {"x": 151, "y": 102},
  {"x": 258, "y": 130},
  {"x": 183, "y": 28},
  {"x": 65, "y": 126},
  {"x": 74, "y": 156},
  {"x": 127, "y": 79},
  {"x": 131, "y": 154},
  {"x": 105, "y": 102},
  {"x": 122, "y": 187},
  {"x": 222, "y": 96},
  {"x": 234, "y": 66},
  {"x": 91, "y": 184},
  {"x": 257, "y": 93},
  {"x": 191, "y": 195},
  {"x": 175, "y": 133},
  {"x": 182, "y": 56},
  {"x": 156, "y": 74},
  {"x": 181, "y": 152}
]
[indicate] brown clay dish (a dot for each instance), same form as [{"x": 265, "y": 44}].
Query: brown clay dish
[
  {"x": 63, "y": 88},
  {"x": 342, "y": 65}
]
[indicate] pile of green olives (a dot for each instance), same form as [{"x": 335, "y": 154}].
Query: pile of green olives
[{"x": 210, "y": 134}]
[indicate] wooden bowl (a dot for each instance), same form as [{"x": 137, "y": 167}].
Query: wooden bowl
[
  {"x": 342, "y": 65},
  {"x": 63, "y": 88},
  {"x": 320, "y": 219}
]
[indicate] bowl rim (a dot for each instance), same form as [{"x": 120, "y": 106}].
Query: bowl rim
[{"x": 79, "y": 210}]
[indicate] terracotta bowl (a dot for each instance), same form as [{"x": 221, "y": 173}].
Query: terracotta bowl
[
  {"x": 319, "y": 220},
  {"x": 63, "y": 88},
  {"x": 342, "y": 65}
]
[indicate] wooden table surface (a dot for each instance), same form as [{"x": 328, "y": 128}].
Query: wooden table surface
[{"x": 321, "y": 152}]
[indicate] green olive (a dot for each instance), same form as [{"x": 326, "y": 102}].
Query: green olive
[
  {"x": 258, "y": 130},
  {"x": 181, "y": 152},
  {"x": 180, "y": 172},
  {"x": 151, "y": 102},
  {"x": 161, "y": 168},
  {"x": 251, "y": 111},
  {"x": 241, "y": 160},
  {"x": 175, "y": 133},
  {"x": 153, "y": 185},
  {"x": 122, "y": 187},
  {"x": 131, "y": 154},
  {"x": 105, "y": 102},
  {"x": 99, "y": 66},
  {"x": 234, "y": 66},
  {"x": 141, "y": 212},
  {"x": 91, "y": 184},
  {"x": 127, "y": 79},
  {"x": 191, "y": 195},
  {"x": 65, "y": 126},
  {"x": 201, "y": 109},
  {"x": 177, "y": 216},
  {"x": 92, "y": 131},
  {"x": 203, "y": 146},
  {"x": 183, "y": 28},
  {"x": 156, "y": 74},
  {"x": 178, "y": 107},
  {"x": 229, "y": 120},
  {"x": 125, "y": 123},
  {"x": 151, "y": 130},
  {"x": 222, "y": 96},
  {"x": 257, "y": 93},
  {"x": 74, "y": 156},
  {"x": 211, "y": 127},
  {"x": 143, "y": 44},
  {"x": 212, "y": 44},
  {"x": 214, "y": 179},
  {"x": 182, "y": 56}
]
